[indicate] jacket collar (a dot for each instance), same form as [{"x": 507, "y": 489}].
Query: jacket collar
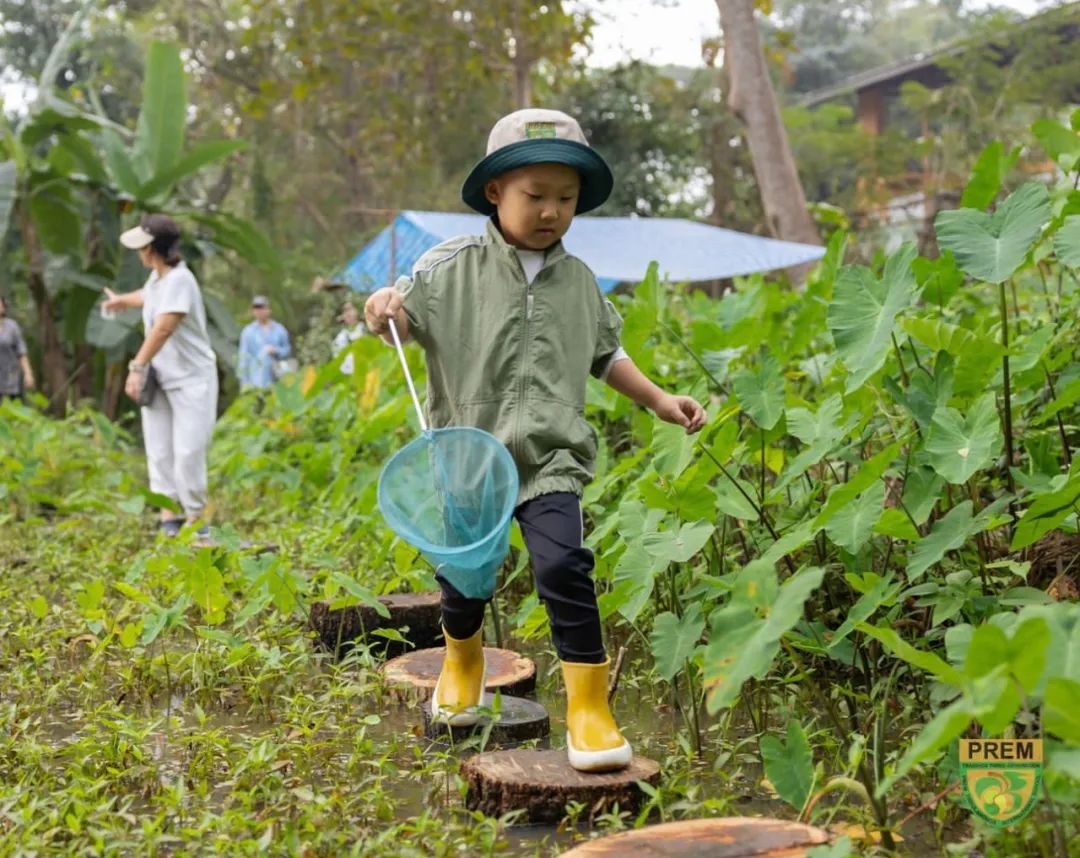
[{"x": 552, "y": 255}]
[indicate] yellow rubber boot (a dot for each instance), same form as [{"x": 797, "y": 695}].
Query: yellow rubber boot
[
  {"x": 461, "y": 681},
  {"x": 593, "y": 741}
]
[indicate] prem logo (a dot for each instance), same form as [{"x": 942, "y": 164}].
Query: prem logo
[{"x": 1001, "y": 777}]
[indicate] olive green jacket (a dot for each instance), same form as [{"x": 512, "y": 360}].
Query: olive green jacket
[{"x": 513, "y": 358}]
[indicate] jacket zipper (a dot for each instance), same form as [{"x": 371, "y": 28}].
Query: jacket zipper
[{"x": 517, "y": 439}]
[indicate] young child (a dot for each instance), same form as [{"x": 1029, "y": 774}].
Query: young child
[{"x": 512, "y": 326}]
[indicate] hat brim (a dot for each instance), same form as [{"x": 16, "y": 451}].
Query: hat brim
[
  {"x": 596, "y": 178},
  {"x": 136, "y": 238}
]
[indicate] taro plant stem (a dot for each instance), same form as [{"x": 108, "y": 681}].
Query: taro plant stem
[
  {"x": 495, "y": 621},
  {"x": 761, "y": 490},
  {"x": 1008, "y": 392},
  {"x": 843, "y": 734}
]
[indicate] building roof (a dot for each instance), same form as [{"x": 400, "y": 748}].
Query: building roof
[
  {"x": 924, "y": 64},
  {"x": 893, "y": 73}
]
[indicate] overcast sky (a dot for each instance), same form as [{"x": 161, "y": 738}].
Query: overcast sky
[{"x": 670, "y": 31}]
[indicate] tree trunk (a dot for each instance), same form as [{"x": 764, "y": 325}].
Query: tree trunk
[
  {"x": 522, "y": 83},
  {"x": 54, "y": 367},
  {"x": 84, "y": 371},
  {"x": 753, "y": 100},
  {"x": 115, "y": 376},
  {"x": 522, "y": 61}
]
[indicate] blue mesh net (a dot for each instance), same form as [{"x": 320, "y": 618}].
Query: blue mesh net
[{"x": 450, "y": 493}]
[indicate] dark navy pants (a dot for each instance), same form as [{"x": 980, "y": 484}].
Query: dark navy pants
[{"x": 552, "y": 528}]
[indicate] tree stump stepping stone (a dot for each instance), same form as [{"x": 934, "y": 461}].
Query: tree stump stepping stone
[
  {"x": 419, "y": 612},
  {"x": 418, "y": 671},
  {"x": 519, "y": 720},
  {"x": 541, "y": 783},
  {"x": 732, "y": 837}
]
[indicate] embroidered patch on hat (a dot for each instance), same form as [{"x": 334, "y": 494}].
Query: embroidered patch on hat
[{"x": 539, "y": 130}]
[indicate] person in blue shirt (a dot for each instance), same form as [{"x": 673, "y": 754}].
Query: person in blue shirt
[{"x": 262, "y": 343}]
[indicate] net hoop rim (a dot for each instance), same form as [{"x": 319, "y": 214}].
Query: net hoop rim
[{"x": 497, "y": 531}]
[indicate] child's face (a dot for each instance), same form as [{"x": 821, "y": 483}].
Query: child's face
[{"x": 536, "y": 203}]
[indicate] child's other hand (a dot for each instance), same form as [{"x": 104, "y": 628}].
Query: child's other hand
[
  {"x": 383, "y": 305},
  {"x": 682, "y": 410}
]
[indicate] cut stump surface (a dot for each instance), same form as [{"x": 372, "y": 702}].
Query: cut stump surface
[
  {"x": 735, "y": 837},
  {"x": 417, "y": 613},
  {"x": 541, "y": 783},
  {"x": 519, "y": 720},
  {"x": 507, "y": 671}
]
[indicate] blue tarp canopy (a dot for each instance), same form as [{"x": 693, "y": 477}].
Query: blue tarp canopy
[{"x": 617, "y": 249}]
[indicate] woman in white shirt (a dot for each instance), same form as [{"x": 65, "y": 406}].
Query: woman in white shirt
[
  {"x": 179, "y": 419},
  {"x": 354, "y": 329}
]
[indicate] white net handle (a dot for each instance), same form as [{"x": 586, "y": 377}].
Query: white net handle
[{"x": 408, "y": 376}]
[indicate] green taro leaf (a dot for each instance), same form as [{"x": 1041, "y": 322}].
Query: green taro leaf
[
  {"x": 884, "y": 591},
  {"x": 862, "y": 314},
  {"x": 1066, "y": 398},
  {"x": 1028, "y": 646},
  {"x": 821, "y": 430},
  {"x": 1061, "y": 709},
  {"x": 853, "y": 526},
  {"x": 958, "y": 446},
  {"x": 635, "y": 573},
  {"x": 671, "y": 546},
  {"x": 939, "y": 279},
  {"x": 1056, "y": 139},
  {"x": 761, "y": 392},
  {"x": 950, "y": 533},
  {"x": 990, "y": 247},
  {"x": 870, "y": 472},
  {"x": 791, "y": 540},
  {"x": 206, "y": 586},
  {"x": 673, "y": 449},
  {"x": 742, "y": 644},
  {"x": 916, "y": 657},
  {"x": 1065, "y": 762},
  {"x": 833, "y": 258},
  {"x": 674, "y": 639},
  {"x": 941, "y": 336},
  {"x": 1067, "y": 242},
  {"x": 730, "y": 501},
  {"x": 1046, "y": 512},
  {"x": 812, "y": 426},
  {"x": 1028, "y": 350},
  {"x": 692, "y": 496},
  {"x": 922, "y": 490},
  {"x": 895, "y": 523},
  {"x": 925, "y": 393},
  {"x": 990, "y": 170},
  {"x": 790, "y": 767}
]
